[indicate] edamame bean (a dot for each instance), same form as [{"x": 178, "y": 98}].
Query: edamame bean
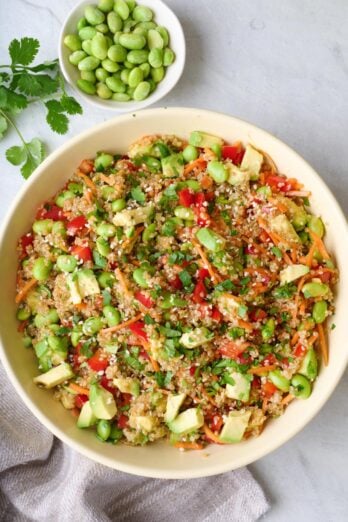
[
  {"x": 103, "y": 91},
  {"x": 316, "y": 225},
  {"x": 117, "y": 37},
  {"x": 132, "y": 41},
  {"x": 118, "y": 205},
  {"x": 145, "y": 67},
  {"x": 218, "y": 171},
  {"x": 156, "y": 58},
  {"x": 131, "y": 4},
  {"x": 93, "y": 15},
  {"x": 140, "y": 277},
  {"x": 99, "y": 47},
  {"x": 103, "y": 429},
  {"x": 194, "y": 185},
  {"x": 87, "y": 33},
  {"x": 81, "y": 24},
  {"x": 64, "y": 196},
  {"x": 43, "y": 226},
  {"x": 301, "y": 386},
  {"x": 147, "y": 25},
  {"x": 103, "y": 246},
  {"x": 89, "y": 63},
  {"x": 108, "y": 193},
  {"x": 319, "y": 311},
  {"x": 120, "y": 96},
  {"x": 164, "y": 33},
  {"x": 149, "y": 232},
  {"x": 73, "y": 42},
  {"x": 140, "y": 30},
  {"x": 76, "y": 57},
  {"x": 168, "y": 57},
  {"x": 106, "y": 230},
  {"x": 101, "y": 74},
  {"x": 210, "y": 239},
  {"x": 114, "y": 22},
  {"x": 105, "y": 5},
  {"x": 142, "y": 91},
  {"x": 115, "y": 84},
  {"x": 112, "y": 316},
  {"x": 128, "y": 65},
  {"x": 135, "y": 77},
  {"x": 309, "y": 366},
  {"x": 216, "y": 148},
  {"x": 125, "y": 75},
  {"x": 86, "y": 86},
  {"x": 66, "y": 263},
  {"x": 267, "y": 330},
  {"x": 157, "y": 74},
  {"x": 152, "y": 84},
  {"x": 42, "y": 268},
  {"x": 23, "y": 313},
  {"x": 102, "y": 28},
  {"x": 314, "y": 289},
  {"x": 87, "y": 46},
  {"x": 57, "y": 343},
  {"x": 171, "y": 301},
  {"x": 89, "y": 76},
  {"x": 92, "y": 325},
  {"x": 154, "y": 39},
  {"x": 59, "y": 228},
  {"x": 103, "y": 161},
  {"x": 110, "y": 66},
  {"x": 117, "y": 53},
  {"x": 128, "y": 25},
  {"x": 137, "y": 57},
  {"x": 281, "y": 382},
  {"x": 121, "y": 9},
  {"x": 75, "y": 338},
  {"x": 190, "y": 153},
  {"x": 184, "y": 213},
  {"x": 52, "y": 316},
  {"x": 142, "y": 14},
  {"x": 106, "y": 279}
]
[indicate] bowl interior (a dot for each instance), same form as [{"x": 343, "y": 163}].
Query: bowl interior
[
  {"x": 163, "y": 16},
  {"x": 161, "y": 460}
]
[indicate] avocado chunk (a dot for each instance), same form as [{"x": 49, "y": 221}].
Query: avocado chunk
[
  {"x": 131, "y": 217},
  {"x": 240, "y": 390},
  {"x": 187, "y": 421},
  {"x": 236, "y": 176},
  {"x": 87, "y": 283},
  {"x": 102, "y": 402},
  {"x": 86, "y": 417},
  {"x": 252, "y": 161},
  {"x": 196, "y": 337},
  {"x": 235, "y": 426},
  {"x": 174, "y": 403},
  {"x": 297, "y": 215},
  {"x": 143, "y": 422},
  {"x": 228, "y": 305},
  {"x": 127, "y": 385},
  {"x": 55, "y": 376},
  {"x": 173, "y": 165},
  {"x": 75, "y": 296},
  {"x": 292, "y": 272},
  {"x": 309, "y": 366},
  {"x": 203, "y": 139},
  {"x": 282, "y": 226}
]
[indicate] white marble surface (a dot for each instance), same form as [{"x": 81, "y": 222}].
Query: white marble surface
[{"x": 282, "y": 65}]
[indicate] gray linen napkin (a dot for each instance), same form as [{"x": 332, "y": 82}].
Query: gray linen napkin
[{"x": 42, "y": 479}]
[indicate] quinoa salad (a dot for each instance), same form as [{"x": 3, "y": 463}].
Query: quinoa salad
[{"x": 180, "y": 291}]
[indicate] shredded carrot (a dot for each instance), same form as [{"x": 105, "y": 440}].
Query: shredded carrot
[
  {"x": 298, "y": 295},
  {"x": 122, "y": 325},
  {"x": 22, "y": 293},
  {"x": 313, "y": 338},
  {"x": 146, "y": 347},
  {"x": 245, "y": 325},
  {"x": 276, "y": 239},
  {"x": 79, "y": 389},
  {"x": 198, "y": 163},
  {"x": 323, "y": 344},
  {"x": 215, "y": 277},
  {"x": 211, "y": 435},
  {"x": 130, "y": 241},
  {"x": 206, "y": 182},
  {"x": 123, "y": 282},
  {"x": 321, "y": 247},
  {"x": 89, "y": 196},
  {"x": 309, "y": 256},
  {"x": 287, "y": 399},
  {"x": 189, "y": 445},
  {"x": 81, "y": 306},
  {"x": 106, "y": 179},
  {"x": 294, "y": 338},
  {"x": 87, "y": 181},
  {"x": 302, "y": 308},
  {"x": 259, "y": 370}
]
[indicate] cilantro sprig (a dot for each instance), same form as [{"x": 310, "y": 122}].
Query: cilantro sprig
[{"x": 23, "y": 84}]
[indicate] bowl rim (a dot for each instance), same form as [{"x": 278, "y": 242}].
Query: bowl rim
[
  {"x": 153, "y": 471},
  {"x": 132, "y": 105}
]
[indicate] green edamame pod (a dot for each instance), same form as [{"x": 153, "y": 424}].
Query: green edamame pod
[
  {"x": 93, "y": 15},
  {"x": 92, "y": 325},
  {"x": 103, "y": 246},
  {"x": 156, "y": 58},
  {"x": 142, "y": 91},
  {"x": 86, "y": 86},
  {"x": 106, "y": 279},
  {"x": 103, "y": 161},
  {"x": 89, "y": 63},
  {"x": 112, "y": 316},
  {"x": 110, "y": 66},
  {"x": 73, "y": 42},
  {"x": 132, "y": 41},
  {"x": 168, "y": 57},
  {"x": 142, "y": 14},
  {"x": 76, "y": 57},
  {"x": 140, "y": 277},
  {"x": 319, "y": 311},
  {"x": 135, "y": 77},
  {"x": 118, "y": 205},
  {"x": 301, "y": 386},
  {"x": 115, "y": 84},
  {"x": 99, "y": 47},
  {"x": 66, "y": 263},
  {"x": 42, "y": 268},
  {"x": 87, "y": 33},
  {"x": 190, "y": 153}
]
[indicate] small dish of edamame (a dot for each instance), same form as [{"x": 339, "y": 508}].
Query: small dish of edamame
[{"x": 122, "y": 55}]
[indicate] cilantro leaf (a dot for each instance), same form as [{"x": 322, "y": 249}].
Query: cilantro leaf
[
  {"x": 55, "y": 118},
  {"x": 24, "y": 51},
  {"x": 138, "y": 195},
  {"x": 45, "y": 66},
  {"x": 37, "y": 84},
  {"x": 14, "y": 101},
  {"x": 70, "y": 105},
  {"x": 37, "y": 150},
  {"x": 16, "y": 155},
  {"x": 3, "y": 126},
  {"x": 30, "y": 155}
]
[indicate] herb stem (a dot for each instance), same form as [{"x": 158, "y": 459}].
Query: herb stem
[{"x": 12, "y": 123}]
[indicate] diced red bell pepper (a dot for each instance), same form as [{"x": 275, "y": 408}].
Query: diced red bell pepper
[
  {"x": 122, "y": 421},
  {"x": 279, "y": 183},
  {"x": 269, "y": 360},
  {"x": 24, "y": 242},
  {"x": 144, "y": 299},
  {"x": 216, "y": 422},
  {"x": 268, "y": 389},
  {"x": 144, "y": 354},
  {"x": 257, "y": 315},
  {"x": 199, "y": 293},
  {"x": 124, "y": 399},
  {"x": 82, "y": 252},
  {"x": 76, "y": 224},
  {"x": 176, "y": 283},
  {"x": 138, "y": 328},
  {"x": 203, "y": 273},
  {"x": 300, "y": 350},
  {"x": 216, "y": 315},
  {"x": 250, "y": 249},
  {"x": 97, "y": 362},
  {"x": 80, "y": 401},
  {"x": 186, "y": 197},
  {"x": 192, "y": 370},
  {"x": 107, "y": 384},
  {"x": 325, "y": 276},
  {"x": 256, "y": 382},
  {"x": 231, "y": 349},
  {"x": 263, "y": 236},
  {"x": 233, "y": 152},
  {"x": 51, "y": 212}
]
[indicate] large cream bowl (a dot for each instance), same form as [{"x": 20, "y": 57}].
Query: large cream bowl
[{"x": 160, "y": 459}]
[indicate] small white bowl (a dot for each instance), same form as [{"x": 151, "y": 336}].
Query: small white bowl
[
  {"x": 162, "y": 16},
  {"x": 161, "y": 460}
]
